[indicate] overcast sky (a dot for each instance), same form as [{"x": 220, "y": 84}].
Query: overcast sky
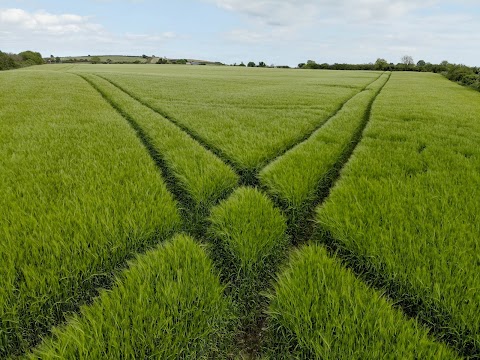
[{"x": 281, "y": 32}]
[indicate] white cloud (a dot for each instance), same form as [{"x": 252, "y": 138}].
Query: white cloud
[
  {"x": 127, "y": 1},
  {"x": 294, "y": 12},
  {"x": 43, "y": 21},
  {"x": 284, "y": 31},
  {"x": 254, "y": 37},
  {"x": 357, "y": 30},
  {"x": 269, "y": 12},
  {"x": 169, "y": 35},
  {"x": 151, "y": 37},
  {"x": 70, "y": 34}
]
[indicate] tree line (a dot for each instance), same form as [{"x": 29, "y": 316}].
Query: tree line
[
  {"x": 465, "y": 75},
  {"x": 14, "y": 61}
]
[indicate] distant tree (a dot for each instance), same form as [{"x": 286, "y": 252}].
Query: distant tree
[
  {"x": 242, "y": 64},
  {"x": 262, "y": 64},
  {"x": 381, "y": 64},
  {"x": 421, "y": 63},
  {"x": 407, "y": 60},
  {"x": 251, "y": 64},
  {"x": 31, "y": 57},
  {"x": 58, "y": 60},
  {"x": 442, "y": 67},
  {"x": 7, "y": 62},
  {"x": 301, "y": 65},
  {"x": 95, "y": 59},
  {"x": 144, "y": 56},
  {"x": 311, "y": 64}
]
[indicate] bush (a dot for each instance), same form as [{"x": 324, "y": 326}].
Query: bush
[
  {"x": 26, "y": 58},
  {"x": 33, "y": 58},
  {"x": 463, "y": 75},
  {"x": 7, "y": 62},
  {"x": 469, "y": 79},
  {"x": 476, "y": 85}
]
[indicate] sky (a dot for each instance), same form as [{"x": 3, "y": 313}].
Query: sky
[{"x": 281, "y": 32}]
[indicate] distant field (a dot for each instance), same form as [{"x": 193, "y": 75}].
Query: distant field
[
  {"x": 113, "y": 58},
  {"x": 220, "y": 212},
  {"x": 120, "y": 59}
]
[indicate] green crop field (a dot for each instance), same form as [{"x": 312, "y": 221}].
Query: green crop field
[{"x": 182, "y": 212}]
